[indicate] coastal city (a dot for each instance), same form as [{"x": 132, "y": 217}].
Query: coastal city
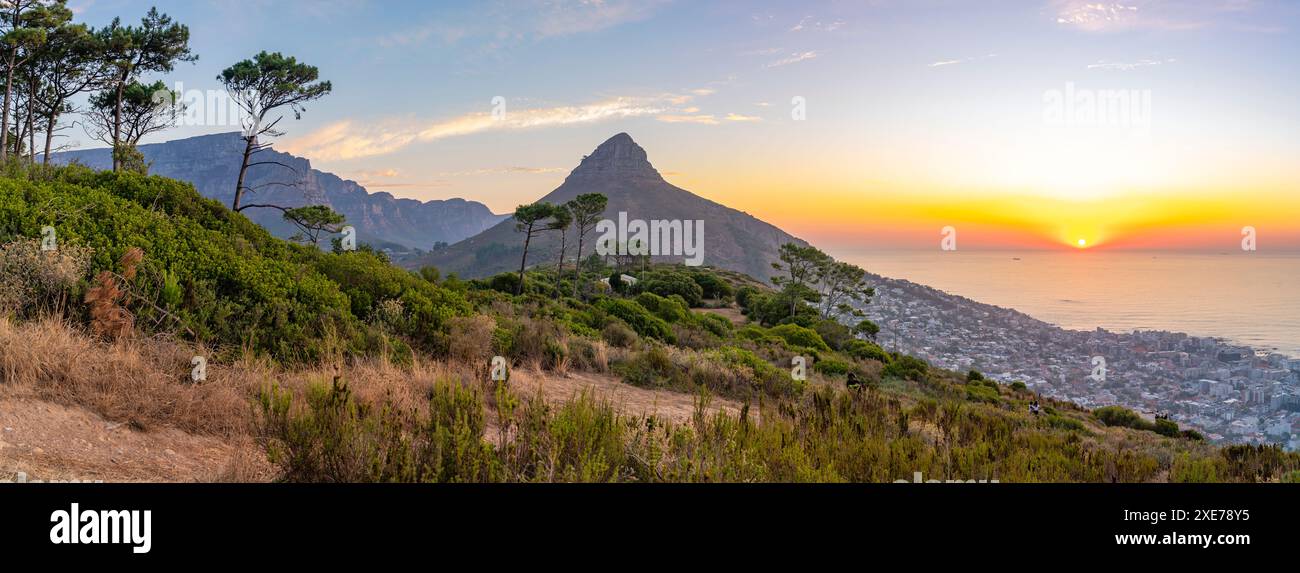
[{"x": 1229, "y": 392}]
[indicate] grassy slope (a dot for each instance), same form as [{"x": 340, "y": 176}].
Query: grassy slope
[{"x": 276, "y": 298}]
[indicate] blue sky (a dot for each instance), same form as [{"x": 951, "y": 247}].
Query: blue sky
[{"x": 911, "y": 98}]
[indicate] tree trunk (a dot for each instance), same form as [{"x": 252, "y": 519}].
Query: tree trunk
[
  {"x": 49, "y": 129},
  {"x": 559, "y": 268},
  {"x": 577, "y": 264},
  {"x": 31, "y": 123},
  {"x": 243, "y": 171},
  {"x": 117, "y": 122},
  {"x": 528, "y": 237},
  {"x": 4, "y": 122}
]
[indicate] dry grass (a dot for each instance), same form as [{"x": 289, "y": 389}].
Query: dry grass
[{"x": 146, "y": 382}]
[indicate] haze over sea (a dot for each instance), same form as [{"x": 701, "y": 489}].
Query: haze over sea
[{"x": 1249, "y": 298}]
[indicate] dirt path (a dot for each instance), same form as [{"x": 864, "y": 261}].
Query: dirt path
[
  {"x": 50, "y": 442},
  {"x": 675, "y": 406}
]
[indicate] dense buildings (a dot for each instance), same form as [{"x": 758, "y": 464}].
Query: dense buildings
[{"x": 1232, "y": 393}]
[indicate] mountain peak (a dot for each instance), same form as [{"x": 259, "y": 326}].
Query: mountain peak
[{"x": 618, "y": 156}]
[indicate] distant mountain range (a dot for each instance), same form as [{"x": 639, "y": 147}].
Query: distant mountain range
[
  {"x": 620, "y": 170},
  {"x": 211, "y": 163}
]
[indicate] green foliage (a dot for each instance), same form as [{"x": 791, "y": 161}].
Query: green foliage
[
  {"x": 238, "y": 286},
  {"x": 863, "y": 350},
  {"x": 834, "y": 367},
  {"x": 671, "y": 310},
  {"x": 636, "y": 316},
  {"x": 982, "y": 393},
  {"x": 1122, "y": 417},
  {"x": 1167, "y": 428},
  {"x": 799, "y": 336},
  {"x": 1019, "y": 386},
  {"x": 338, "y": 439},
  {"x": 716, "y": 324},
  {"x": 907, "y": 367},
  {"x": 712, "y": 286},
  {"x": 666, "y": 283}
]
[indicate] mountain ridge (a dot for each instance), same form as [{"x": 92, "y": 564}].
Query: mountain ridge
[{"x": 211, "y": 163}]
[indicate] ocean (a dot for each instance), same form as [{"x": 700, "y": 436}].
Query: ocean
[{"x": 1248, "y": 298}]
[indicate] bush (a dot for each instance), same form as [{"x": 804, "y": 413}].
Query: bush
[
  {"x": 666, "y": 283},
  {"x": 799, "y": 336},
  {"x": 336, "y": 439},
  {"x": 1167, "y": 428},
  {"x": 716, "y": 324},
  {"x": 648, "y": 369},
  {"x": 833, "y": 367},
  {"x": 1063, "y": 423},
  {"x": 863, "y": 350},
  {"x": 618, "y": 334},
  {"x": 908, "y": 368},
  {"x": 638, "y": 318},
  {"x": 712, "y": 286},
  {"x": 669, "y": 309},
  {"x": 1122, "y": 417},
  {"x": 1019, "y": 386},
  {"x": 981, "y": 393}
]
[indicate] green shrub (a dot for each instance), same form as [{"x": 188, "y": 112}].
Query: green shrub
[
  {"x": 907, "y": 367},
  {"x": 863, "y": 350},
  {"x": 336, "y": 439},
  {"x": 1122, "y": 417},
  {"x": 712, "y": 286},
  {"x": 669, "y": 309},
  {"x": 618, "y": 334},
  {"x": 637, "y": 317},
  {"x": 981, "y": 393},
  {"x": 1167, "y": 428},
  {"x": 799, "y": 336},
  {"x": 833, "y": 367},
  {"x": 716, "y": 324},
  {"x": 666, "y": 283}
]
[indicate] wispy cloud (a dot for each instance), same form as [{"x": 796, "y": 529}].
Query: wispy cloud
[
  {"x": 1170, "y": 15},
  {"x": 565, "y": 17},
  {"x": 942, "y": 63},
  {"x": 1127, "y": 66},
  {"x": 742, "y": 118},
  {"x": 349, "y": 139},
  {"x": 793, "y": 59},
  {"x": 808, "y": 23},
  {"x": 688, "y": 118}
]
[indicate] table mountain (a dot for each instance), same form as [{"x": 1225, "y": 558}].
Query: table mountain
[{"x": 211, "y": 164}]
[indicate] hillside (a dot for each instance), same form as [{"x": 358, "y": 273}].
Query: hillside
[
  {"x": 211, "y": 163},
  {"x": 621, "y": 170},
  {"x": 340, "y": 367}
]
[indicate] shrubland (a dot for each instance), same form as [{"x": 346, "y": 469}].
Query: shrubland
[{"x": 346, "y": 368}]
